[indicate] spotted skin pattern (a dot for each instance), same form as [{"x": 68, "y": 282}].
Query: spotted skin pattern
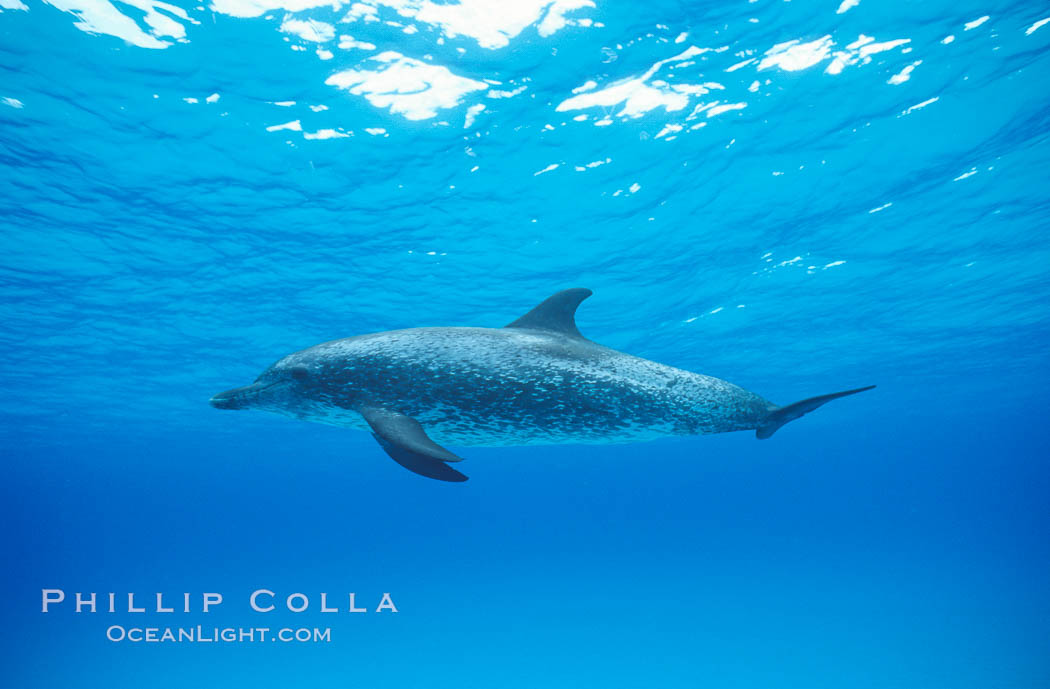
[{"x": 500, "y": 387}]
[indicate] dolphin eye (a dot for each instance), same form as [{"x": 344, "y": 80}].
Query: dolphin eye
[{"x": 299, "y": 372}]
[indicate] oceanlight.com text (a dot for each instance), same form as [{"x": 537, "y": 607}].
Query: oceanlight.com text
[{"x": 200, "y": 634}]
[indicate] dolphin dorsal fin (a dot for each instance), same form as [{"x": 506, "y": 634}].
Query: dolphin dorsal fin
[{"x": 556, "y": 313}]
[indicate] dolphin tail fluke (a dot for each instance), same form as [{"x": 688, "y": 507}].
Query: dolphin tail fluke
[{"x": 781, "y": 415}]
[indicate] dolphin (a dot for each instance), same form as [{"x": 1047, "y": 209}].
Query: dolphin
[{"x": 535, "y": 381}]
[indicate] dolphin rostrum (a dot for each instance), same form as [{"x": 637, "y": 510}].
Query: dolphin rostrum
[{"x": 535, "y": 381}]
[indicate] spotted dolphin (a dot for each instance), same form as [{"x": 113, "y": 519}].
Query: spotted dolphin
[{"x": 535, "y": 381}]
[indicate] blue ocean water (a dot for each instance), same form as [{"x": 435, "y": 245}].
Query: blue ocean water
[{"x": 799, "y": 197}]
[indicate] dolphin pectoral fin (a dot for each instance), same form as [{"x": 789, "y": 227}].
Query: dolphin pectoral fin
[
  {"x": 403, "y": 438},
  {"x": 556, "y": 313},
  {"x": 423, "y": 465},
  {"x": 781, "y": 415}
]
